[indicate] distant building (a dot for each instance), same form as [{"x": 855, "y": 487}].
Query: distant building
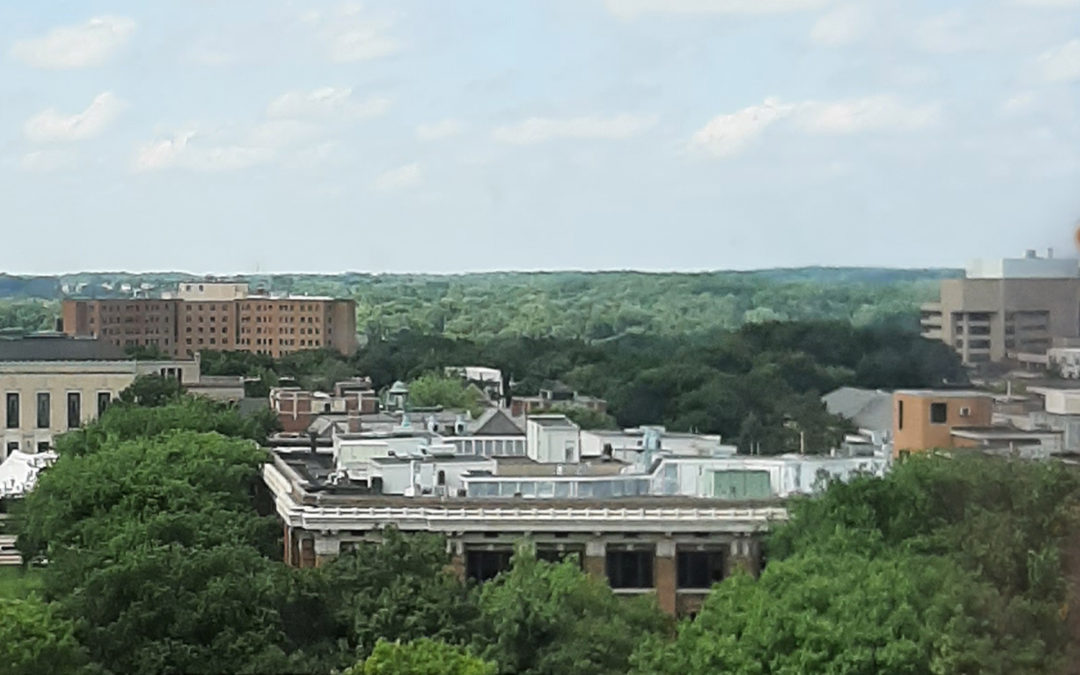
[
  {"x": 871, "y": 411},
  {"x": 53, "y": 383},
  {"x": 552, "y": 395},
  {"x": 487, "y": 380},
  {"x": 1006, "y": 307},
  {"x": 296, "y": 408},
  {"x": 217, "y": 316}
]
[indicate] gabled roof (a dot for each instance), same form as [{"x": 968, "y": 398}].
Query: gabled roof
[{"x": 495, "y": 422}]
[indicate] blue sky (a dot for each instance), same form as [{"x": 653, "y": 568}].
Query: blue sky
[{"x": 442, "y": 136}]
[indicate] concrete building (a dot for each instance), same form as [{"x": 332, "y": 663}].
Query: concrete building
[
  {"x": 296, "y": 409},
  {"x": 52, "y": 383},
  {"x": 1008, "y": 306},
  {"x": 667, "y": 523},
  {"x": 555, "y": 394},
  {"x": 925, "y": 419},
  {"x": 871, "y": 411},
  {"x": 217, "y": 316}
]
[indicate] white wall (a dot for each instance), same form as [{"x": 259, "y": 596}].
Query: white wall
[{"x": 549, "y": 445}]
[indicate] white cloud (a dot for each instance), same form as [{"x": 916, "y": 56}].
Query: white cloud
[
  {"x": 541, "y": 129},
  {"x": 1019, "y": 104},
  {"x": 399, "y": 178},
  {"x": 88, "y": 44},
  {"x": 186, "y": 151},
  {"x": 326, "y": 102},
  {"x": 50, "y": 125},
  {"x": 727, "y": 135},
  {"x": 1061, "y": 64},
  {"x": 438, "y": 130},
  {"x": 43, "y": 161},
  {"x": 873, "y": 113},
  {"x": 350, "y": 33},
  {"x": 633, "y": 8},
  {"x": 844, "y": 25}
]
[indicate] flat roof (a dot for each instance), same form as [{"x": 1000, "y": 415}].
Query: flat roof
[
  {"x": 59, "y": 347},
  {"x": 552, "y": 421},
  {"x": 945, "y": 393}
]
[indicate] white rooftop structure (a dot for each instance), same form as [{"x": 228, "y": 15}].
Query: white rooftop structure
[
  {"x": 1031, "y": 266},
  {"x": 19, "y": 472}
]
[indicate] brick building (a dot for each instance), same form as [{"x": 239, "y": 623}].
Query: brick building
[{"x": 217, "y": 316}]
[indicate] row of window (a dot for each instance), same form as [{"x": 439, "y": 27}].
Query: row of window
[
  {"x": 13, "y": 405},
  {"x": 627, "y": 569}
]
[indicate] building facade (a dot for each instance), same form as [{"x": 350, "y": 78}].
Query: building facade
[
  {"x": 52, "y": 384},
  {"x": 1004, "y": 307},
  {"x": 217, "y": 317},
  {"x": 925, "y": 419}
]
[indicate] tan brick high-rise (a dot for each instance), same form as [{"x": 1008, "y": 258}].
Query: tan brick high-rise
[{"x": 217, "y": 316}]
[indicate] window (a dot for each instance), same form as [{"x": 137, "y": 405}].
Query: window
[
  {"x": 43, "y": 446},
  {"x": 939, "y": 413},
  {"x": 74, "y": 409},
  {"x": 12, "y": 446},
  {"x": 104, "y": 398},
  {"x": 630, "y": 569},
  {"x": 699, "y": 569},
  {"x": 900, "y": 415},
  {"x": 484, "y": 565},
  {"x": 12, "y": 411},
  {"x": 43, "y": 404}
]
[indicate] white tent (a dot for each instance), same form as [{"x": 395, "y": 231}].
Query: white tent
[{"x": 19, "y": 472}]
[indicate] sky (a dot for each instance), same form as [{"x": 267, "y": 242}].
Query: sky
[{"x": 473, "y": 135}]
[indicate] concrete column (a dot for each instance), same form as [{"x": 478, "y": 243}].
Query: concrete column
[
  {"x": 326, "y": 549},
  {"x": 665, "y": 576},
  {"x": 307, "y": 553},
  {"x": 456, "y": 549},
  {"x": 743, "y": 556},
  {"x": 595, "y": 562}
]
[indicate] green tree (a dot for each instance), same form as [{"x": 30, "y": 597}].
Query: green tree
[
  {"x": 35, "y": 640},
  {"x": 449, "y": 392},
  {"x": 586, "y": 418},
  {"x": 541, "y": 618},
  {"x": 421, "y": 657},
  {"x": 152, "y": 391}
]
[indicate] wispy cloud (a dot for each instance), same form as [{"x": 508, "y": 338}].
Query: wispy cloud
[
  {"x": 44, "y": 161},
  {"x": 1061, "y": 64},
  {"x": 351, "y": 33},
  {"x": 90, "y": 44},
  {"x": 397, "y": 179},
  {"x": 326, "y": 103},
  {"x": 541, "y": 129},
  {"x": 633, "y": 8},
  {"x": 843, "y": 25},
  {"x": 189, "y": 150},
  {"x": 728, "y": 134},
  {"x": 438, "y": 130},
  {"x": 50, "y": 125}
]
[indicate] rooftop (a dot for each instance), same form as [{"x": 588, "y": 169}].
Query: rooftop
[
  {"x": 58, "y": 347},
  {"x": 553, "y": 421},
  {"x": 945, "y": 393}
]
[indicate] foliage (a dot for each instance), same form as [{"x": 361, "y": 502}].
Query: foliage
[
  {"x": 947, "y": 565},
  {"x": 122, "y": 422},
  {"x": 586, "y": 418},
  {"x": 432, "y": 389},
  {"x": 400, "y": 589},
  {"x": 34, "y": 640},
  {"x": 151, "y": 391},
  {"x": 541, "y": 618},
  {"x": 421, "y": 657},
  {"x": 18, "y": 583},
  {"x": 28, "y": 316}
]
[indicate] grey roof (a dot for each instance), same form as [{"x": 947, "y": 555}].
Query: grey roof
[
  {"x": 495, "y": 422},
  {"x": 867, "y": 408},
  {"x": 58, "y": 347}
]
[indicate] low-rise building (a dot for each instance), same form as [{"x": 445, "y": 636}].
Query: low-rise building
[
  {"x": 924, "y": 419},
  {"x": 296, "y": 409},
  {"x": 555, "y": 395},
  {"x": 51, "y": 383}
]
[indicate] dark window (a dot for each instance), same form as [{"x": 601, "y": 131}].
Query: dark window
[
  {"x": 900, "y": 414},
  {"x": 484, "y": 565},
  {"x": 630, "y": 569},
  {"x": 12, "y": 446},
  {"x": 44, "y": 403},
  {"x": 43, "y": 446},
  {"x": 104, "y": 398},
  {"x": 699, "y": 569},
  {"x": 74, "y": 409},
  {"x": 939, "y": 413},
  {"x": 12, "y": 411},
  {"x": 441, "y": 478}
]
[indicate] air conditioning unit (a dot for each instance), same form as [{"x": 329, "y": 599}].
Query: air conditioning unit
[{"x": 965, "y": 412}]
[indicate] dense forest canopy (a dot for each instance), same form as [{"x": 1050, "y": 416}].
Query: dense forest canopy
[{"x": 587, "y": 305}]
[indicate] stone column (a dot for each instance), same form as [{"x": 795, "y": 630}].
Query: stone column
[
  {"x": 743, "y": 556},
  {"x": 665, "y": 575},
  {"x": 307, "y": 553},
  {"x": 326, "y": 549},
  {"x": 595, "y": 562},
  {"x": 456, "y": 549}
]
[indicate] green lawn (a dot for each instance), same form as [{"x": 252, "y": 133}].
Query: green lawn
[{"x": 15, "y": 582}]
